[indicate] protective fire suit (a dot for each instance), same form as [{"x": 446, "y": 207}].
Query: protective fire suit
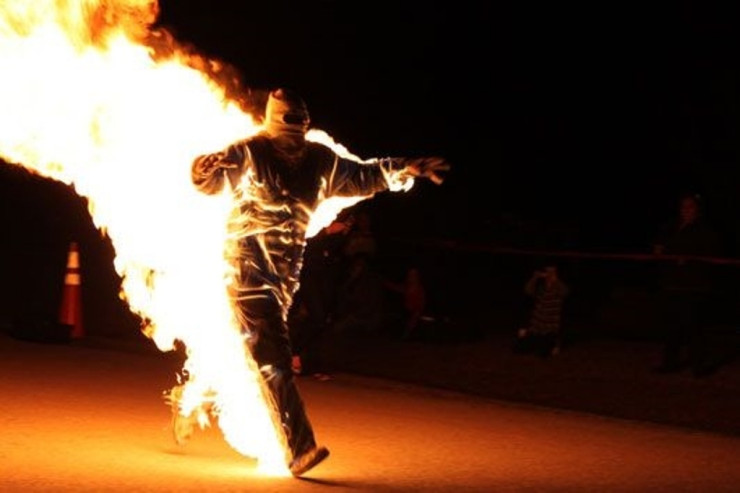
[{"x": 279, "y": 179}]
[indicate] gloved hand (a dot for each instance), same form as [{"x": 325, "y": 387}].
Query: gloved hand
[
  {"x": 425, "y": 167},
  {"x": 209, "y": 163}
]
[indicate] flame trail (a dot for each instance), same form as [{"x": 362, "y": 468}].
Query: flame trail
[{"x": 85, "y": 99}]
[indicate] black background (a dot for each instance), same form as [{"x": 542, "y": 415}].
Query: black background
[{"x": 585, "y": 118}]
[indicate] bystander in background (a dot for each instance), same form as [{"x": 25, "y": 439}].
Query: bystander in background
[
  {"x": 314, "y": 307},
  {"x": 542, "y": 335},
  {"x": 686, "y": 288}
]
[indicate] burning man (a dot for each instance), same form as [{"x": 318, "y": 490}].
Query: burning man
[{"x": 279, "y": 178}]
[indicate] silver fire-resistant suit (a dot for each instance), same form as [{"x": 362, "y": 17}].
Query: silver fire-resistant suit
[{"x": 279, "y": 179}]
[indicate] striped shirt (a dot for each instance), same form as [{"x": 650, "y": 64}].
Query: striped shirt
[{"x": 548, "y": 304}]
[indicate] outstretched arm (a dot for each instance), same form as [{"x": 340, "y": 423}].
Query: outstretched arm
[{"x": 352, "y": 178}]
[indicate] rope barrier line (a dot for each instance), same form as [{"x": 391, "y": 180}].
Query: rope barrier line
[{"x": 484, "y": 248}]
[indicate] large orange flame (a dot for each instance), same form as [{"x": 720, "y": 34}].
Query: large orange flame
[
  {"x": 93, "y": 97},
  {"x": 86, "y": 99}
]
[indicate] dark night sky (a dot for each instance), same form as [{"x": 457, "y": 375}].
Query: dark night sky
[{"x": 589, "y": 114}]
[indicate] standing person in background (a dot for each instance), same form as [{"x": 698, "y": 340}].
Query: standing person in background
[
  {"x": 686, "y": 287},
  {"x": 360, "y": 304},
  {"x": 315, "y": 300},
  {"x": 413, "y": 300}
]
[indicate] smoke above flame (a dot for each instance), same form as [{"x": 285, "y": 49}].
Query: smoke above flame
[{"x": 93, "y": 96}]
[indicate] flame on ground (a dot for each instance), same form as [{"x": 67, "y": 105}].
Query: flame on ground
[{"x": 93, "y": 97}]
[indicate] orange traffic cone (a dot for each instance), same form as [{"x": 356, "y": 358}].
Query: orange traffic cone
[{"x": 70, "y": 313}]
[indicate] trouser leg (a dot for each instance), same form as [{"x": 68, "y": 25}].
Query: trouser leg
[
  {"x": 293, "y": 417},
  {"x": 269, "y": 344}
]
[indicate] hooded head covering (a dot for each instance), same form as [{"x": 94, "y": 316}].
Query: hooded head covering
[
  {"x": 286, "y": 124},
  {"x": 286, "y": 114}
]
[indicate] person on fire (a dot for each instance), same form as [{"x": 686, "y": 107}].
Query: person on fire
[{"x": 279, "y": 179}]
